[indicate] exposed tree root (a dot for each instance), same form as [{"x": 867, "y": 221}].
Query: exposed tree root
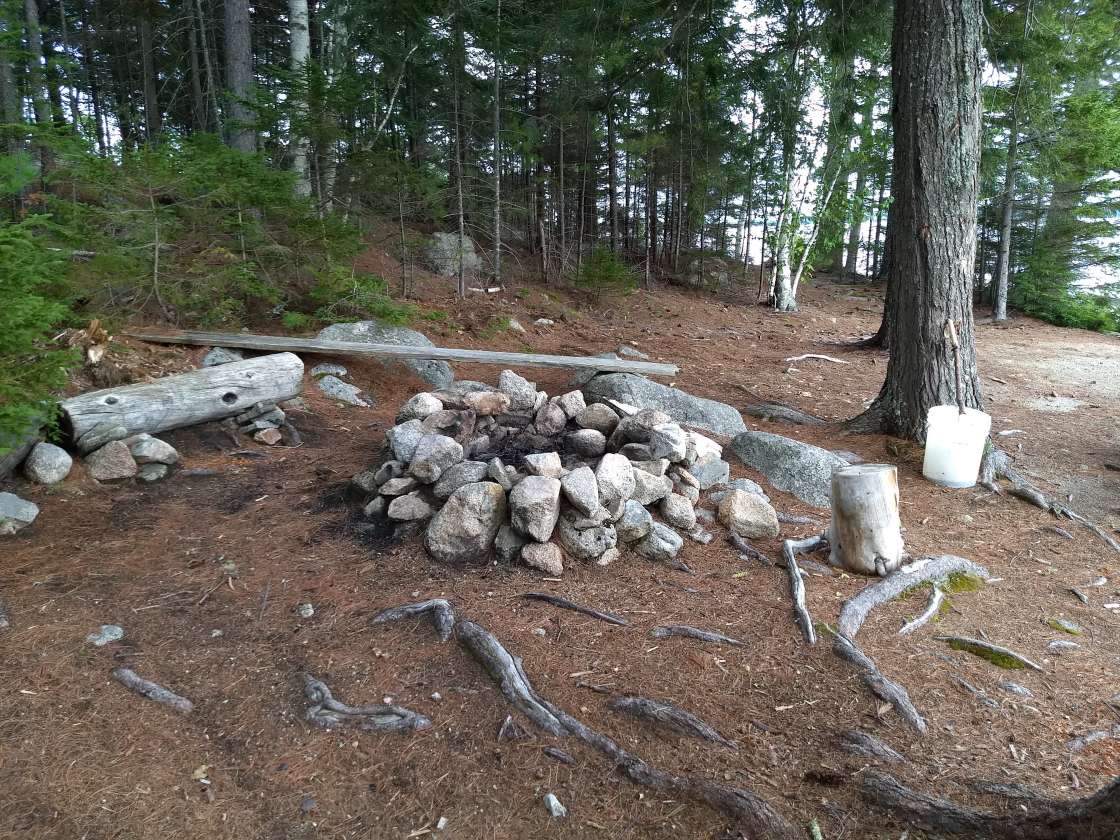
[
  {"x": 672, "y": 717},
  {"x": 1082, "y": 741},
  {"x": 559, "y": 755},
  {"x": 329, "y": 713},
  {"x": 882, "y": 687},
  {"x": 749, "y": 550},
  {"x": 860, "y": 743},
  {"x": 564, "y": 603},
  {"x": 1094, "y": 817},
  {"x": 790, "y": 550},
  {"x": 153, "y": 691},
  {"x": 936, "y": 597},
  {"x": 922, "y": 570},
  {"x": 511, "y": 730},
  {"x": 794, "y": 519},
  {"x": 995, "y": 654},
  {"x": 978, "y": 693},
  {"x": 782, "y": 413},
  {"x": 668, "y": 630},
  {"x": 439, "y": 610}
]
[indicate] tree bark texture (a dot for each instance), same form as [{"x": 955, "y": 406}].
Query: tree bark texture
[
  {"x": 239, "y": 76},
  {"x": 298, "y": 23}
]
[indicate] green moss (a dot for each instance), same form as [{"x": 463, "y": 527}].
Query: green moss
[
  {"x": 823, "y": 628},
  {"x": 999, "y": 659},
  {"x": 1063, "y": 626},
  {"x": 943, "y": 610},
  {"x": 495, "y": 327},
  {"x": 962, "y": 582}
]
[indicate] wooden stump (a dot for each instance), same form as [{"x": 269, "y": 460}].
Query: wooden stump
[{"x": 866, "y": 533}]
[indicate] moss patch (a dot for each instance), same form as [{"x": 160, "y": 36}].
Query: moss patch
[
  {"x": 1064, "y": 625},
  {"x": 999, "y": 659},
  {"x": 962, "y": 582}
]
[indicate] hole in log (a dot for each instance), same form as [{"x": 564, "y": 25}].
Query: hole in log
[
  {"x": 111, "y": 401},
  {"x": 229, "y": 398}
]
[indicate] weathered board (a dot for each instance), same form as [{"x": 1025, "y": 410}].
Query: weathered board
[
  {"x": 186, "y": 398},
  {"x": 276, "y": 343}
]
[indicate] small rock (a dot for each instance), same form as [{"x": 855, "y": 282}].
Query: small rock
[
  {"x": 328, "y": 369},
  {"x": 1061, "y": 646},
  {"x": 486, "y": 403},
  {"x": 344, "y": 392},
  {"x": 436, "y": 696},
  {"x": 544, "y": 322},
  {"x": 100, "y": 435},
  {"x": 454, "y": 477},
  {"x": 635, "y": 522},
  {"x": 748, "y": 515},
  {"x": 47, "y": 464},
  {"x": 398, "y": 486},
  {"x": 410, "y": 508},
  {"x": 433, "y": 455},
  {"x": 545, "y": 557},
  {"x": 704, "y": 515},
  {"x": 599, "y": 417},
  {"x": 465, "y": 527},
  {"x": 112, "y": 462},
  {"x": 661, "y": 544},
  {"x": 581, "y": 489},
  {"x": 701, "y": 536},
  {"x": 222, "y": 356},
  {"x": 700, "y": 445},
  {"x": 515, "y": 326},
  {"x": 1015, "y": 688},
  {"x": 586, "y": 443},
  {"x": 687, "y": 490},
  {"x": 649, "y": 488},
  {"x": 572, "y": 403},
  {"x": 669, "y": 441},
  {"x": 710, "y": 471},
  {"x": 305, "y": 611},
  {"x": 539, "y": 402},
  {"x": 418, "y": 407},
  {"x": 521, "y": 392},
  {"x": 1065, "y": 625},
  {"x": 377, "y": 509},
  {"x": 550, "y": 420},
  {"x": 586, "y": 543},
  {"x": 269, "y": 437},
  {"x": 554, "y": 807},
  {"x": 636, "y": 427},
  {"x": 404, "y": 438},
  {"x": 615, "y": 477},
  {"x": 658, "y": 467},
  {"x": 544, "y": 463},
  {"x": 497, "y": 472},
  {"x": 677, "y": 511},
  {"x": 540, "y": 631},
  {"x": 151, "y": 473},
  {"x": 508, "y": 544},
  {"x": 364, "y": 483},
  {"x": 260, "y": 409},
  {"x": 636, "y": 452},
  {"x": 748, "y": 486},
  {"x": 108, "y": 633},
  {"x": 388, "y": 470},
  {"x": 534, "y": 506},
  {"x": 684, "y": 477}
]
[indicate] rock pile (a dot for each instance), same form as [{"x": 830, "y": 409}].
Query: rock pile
[{"x": 512, "y": 472}]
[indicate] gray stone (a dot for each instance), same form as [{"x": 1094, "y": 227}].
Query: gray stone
[
  {"x": 846, "y": 455},
  {"x": 1015, "y": 688},
  {"x": 498, "y": 472},
  {"x": 668, "y": 441},
  {"x": 699, "y": 446},
  {"x": 107, "y": 634},
  {"x": 790, "y": 465},
  {"x": 649, "y": 488},
  {"x": 608, "y": 557},
  {"x": 544, "y": 463},
  {"x": 658, "y": 467},
  {"x": 261, "y": 420},
  {"x": 598, "y": 416},
  {"x": 508, "y": 544},
  {"x": 628, "y": 352},
  {"x": 599, "y": 516},
  {"x": 748, "y": 515},
  {"x": 260, "y": 409},
  {"x": 151, "y": 473},
  {"x": 636, "y": 427},
  {"x": 516, "y": 326},
  {"x": 305, "y": 610},
  {"x": 464, "y": 528},
  {"x": 364, "y": 483},
  {"x": 583, "y": 376},
  {"x": 454, "y": 477},
  {"x": 112, "y": 462},
  {"x": 152, "y": 450},
  {"x": 1060, "y": 646},
  {"x": 554, "y": 806},
  {"x": 684, "y": 477},
  {"x": 699, "y": 535},
  {"x": 435, "y": 373},
  {"x": 586, "y": 543},
  {"x": 377, "y": 509},
  {"x": 1065, "y": 625},
  {"x": 434, "y": 454},
  {"x": 710, "y": 471},
  {"x": 328, "y": 369},
  {"x": 661, "y": 544},
  {"x": 404, "y": 438},
  {"x": 587, "y": 443},
  {"x": 390, "y": 469},
  {"x": 581, "y": 489},
  {"x": 677, "y": 511},
  {"x": 222, "y": 356},
  {"x": 704, "y": 515},
  {"x": 541, "y": 399},
  {"x": 521, "y": 392},
  {"x": 486, "y": 403},
  {"x": 572, "y": 403},
  {"x": 419, "y": 406},
  {"x": 615, "y": 477},
  {"x": 344, "y": 392},
  {"x": 410, "y": 508},
  {"x": 534, "y": 506},
  {"x": 15, "y": 513},
  {"x": 686, "y": 490},
  {"x": 681, "y": 406},
  {"x": 635, "y": 523},
  {"x": 748, "y": 486},
  {"x": 47, "y": 464},
  {"x": 399, "y": 486},
  {"x": 551, "y": 419},
  {"x": 452, "y": 394},
  {"x": 545, "y": 557},
  {"x": 100, "y": 435},
  {"x": 444, "y": 253}
]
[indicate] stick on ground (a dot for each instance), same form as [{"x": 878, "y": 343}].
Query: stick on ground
[
  {"x": 439, "y": 610},
  {"x": 329, "y": 713},
  {"x": 860, "y": 743},
  {"x": 564, "y": 603},
  {"x": 153, "y": 691}
]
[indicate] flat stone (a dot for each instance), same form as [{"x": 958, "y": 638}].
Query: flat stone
[
  {"x": 437, "y": 374},
  {"x": 649, "y": 488},
  {"x": 586, "y": 543},
  {"x": 545, "y": 557},
  {"x": 419, "y": 406},
  {"x": 710, "y": 471},
  {"x": 608, "y": 557},
  {"x": 748, "y": 515},
  {"x": 615, "y": 477},
  {"x": 551, "y": 419},
  {"x": 364, "y": 483},
  {"x": 700, "y": 445},
  {"x": 686, "y": 490},
  {"x": 790, "y": 465},
  {"x": 399, "y": 486},
  {"x": 628, "y": 352},
  {"x": 344, "y": 392},
  {"x": 107, "y": 634},
  {"x": 636, "y": 427},
  {"x": 452, "y": 394},
  {"x": 599, "y": 516},
  {"x": 508, "y": 544},
  {"x": 410, "y": 508},
  {"x": 328, "y": 369},
  {"x": 100, "y": 435},
  {"x": 556, "y": 810},
  {"x": 668, "y": 441},
  {"x": 544, "y": 463},
  {"x": 487, "y": 403},
  {"x": 151, "y": 473},
  {"x": 587, "y": 443},
  {"x": 112, "y": 462},
  {"x": 661, "y": 544},
  {"x": 1015, "y": 688},
  {"x": 572, "y": 403},
  {"x": 635, "y": 523},
  {"x": 47, "y": 464},
  {"x": 15, "y": 513},
  {"x": 404, "y": 438},
  {"x": 454, "y": 477},
  {"x": 657, "y": 467},
  {"x": 222, "y": 356},
  {"x": 521, "y": 392},
  {"x": 684, "y": 477},
  {"x": 699, "y": 535},
  {"x": 677, "y": 512},
  {"x": 434, "y": 454},
  {"x": 748, "y": 486},
  {"x": 581, "y": 490},
  {"x": 1060, "y": 646},
  {"x": 597, "y": 416},
  {"x": 534, "y": 506},
  {"x": 679, "y": 405},
  {"x": 464, "y": 528},
  {"x": 152, "y": 450},
  {"x": 254, "y": 411}
]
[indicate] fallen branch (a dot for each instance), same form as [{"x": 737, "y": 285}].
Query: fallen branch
[
  {"x": 564, "y": 603},
  {"x": 936, "y": 597},
  {"x": 1094, "y": 817},
  {"x": 790, "y": 550},
  {"x": 986, "y": 650},
  {"x": 749, "y": 550},
  {"x": 882, "y": 687},
  {"x": 153, "y": 691},
  {"x": 329, "y": 713},
  {"x": 438, "y": 610},
  {"x": 860, "y": 743},
  {"x": 804, "y": 356},
  {"x": 668, "y": 630},
  {"x": 922, "y": 570},
  {"x": 671, "y": 716}
]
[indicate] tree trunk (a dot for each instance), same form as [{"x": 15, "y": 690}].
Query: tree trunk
[
  {"x": 35, "y": 78},
  {"x": 211, "y": 84},
  {"x": 239, "y": 76},
  {"x": 9, "y": 102},
  {"x": 152, "y": 115},
  {"x": 612, "y": 178},
  {"x": 1003, "y": 255},
  {"x": 876, "y": 250},
  {"x": 72, "y": 83},
  {"x": 299, "y": 24},
  {"x": 935, "y": 75},
  {"x": 498, "y": 152}
]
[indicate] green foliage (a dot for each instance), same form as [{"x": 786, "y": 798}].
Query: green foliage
[
  {"x": 296, "y": 320},
  {"x": 496, "y": 326},
  {"x": 30, "y": 370},
  {"x": 344, "y": 294},
  {"x": 603, "y": 273},
  {"x": 16, "y": 172}
]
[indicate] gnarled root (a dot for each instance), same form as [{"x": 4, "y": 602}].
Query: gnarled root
[
  {"x": 790, "y": 550},
  {"x": 671, "y": 716},
  {"x": 439, "y": 610},
  {"x": 153, "y": 691},
  {"x": 880, "y": 686},
  {"x": 564, "y": 603},
  {"x": 665, "y": 631},
  {"x": 329, "y": 713}
]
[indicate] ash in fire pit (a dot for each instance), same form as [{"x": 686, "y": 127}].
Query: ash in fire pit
[{"x": 513, "y": 473}]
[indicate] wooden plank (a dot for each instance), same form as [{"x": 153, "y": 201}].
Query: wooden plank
[{"x": 275, "y": 343}]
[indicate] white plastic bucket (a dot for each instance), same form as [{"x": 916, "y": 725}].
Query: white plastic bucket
[{"x": 955, "y": 445}]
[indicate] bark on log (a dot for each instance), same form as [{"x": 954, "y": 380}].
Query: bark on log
[
  {"x": 866, "y": 532},
  {"x": 186, "y": 398}
]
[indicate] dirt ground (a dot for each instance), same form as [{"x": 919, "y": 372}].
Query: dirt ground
[{"x": 205, "y": 575}]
